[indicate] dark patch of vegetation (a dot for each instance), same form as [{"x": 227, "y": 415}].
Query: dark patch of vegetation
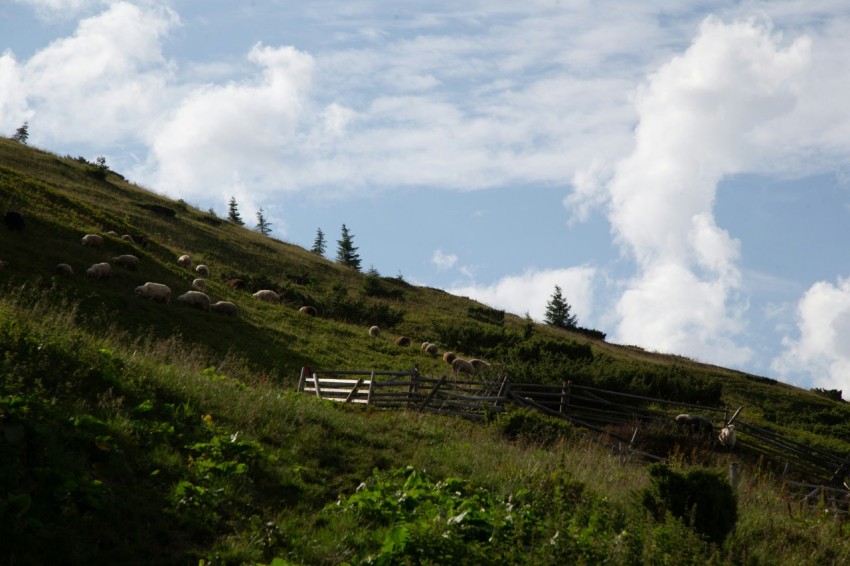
[
  {"x": 486, "y": 314},
  {"x": 165, "y": 211}
]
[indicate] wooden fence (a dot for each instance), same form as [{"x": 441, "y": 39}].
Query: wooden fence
[{"x": 617, "y": 416}]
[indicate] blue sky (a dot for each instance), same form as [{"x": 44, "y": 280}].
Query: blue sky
[{"x": 679, "y": 169}]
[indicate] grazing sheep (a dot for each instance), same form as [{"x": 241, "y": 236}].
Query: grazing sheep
[
  {"x": 727, "y": 436},
  {"x": 14, "y": 221},
  {"x": 479, "y": 364},
  {"x": 184, "y": 261},
  {"x": 449, "y": 357},
  {"x": 92, "y": 240},
  {"x": 267, "y": 295},
  {"x": 403, "y": 341},
  {"x": 432, "y": 349},
  {"x": 128, "y": 238},
  {"x": 235, "y": 283},
  {"x": 112, "y": 233},
  {"x": 225, "y": 307},
  {"x": 155, "y": 291},
  {"x": 459, "y": 365},
  {"x": 126, "y": 260},
  {"x": 65, "y": 270},
  {"x": 374, "y": 331},
  {"x": 307, "y": 310},
  {"x": 199, "y": 284},
  {"x": 195, "y": 299},
  {"x": 425, "y": 345},
  {"x": 696, "y": 423},
  {"x": 202, "y": 270},
  {"x": 99, "y": 271}
]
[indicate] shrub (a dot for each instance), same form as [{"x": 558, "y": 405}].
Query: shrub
[
  {"x": 486, "y": 314},
  {"x": 532, "y": 426},
  {"x": 702, "y": 498}
]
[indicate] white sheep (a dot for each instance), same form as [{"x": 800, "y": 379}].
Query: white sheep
[
  {"x": 128, "y": 238},
  {"x": 697, "y": 423},
  {"x": 155, "y": 291},
  {"x": 425, "y": 345},
  {"x": 449, "y": 357},
  {"x": 267, "y": 295},
  {"x": 92, "y": 240},
  {"x": 126, "y": 260},
  {"x": 402, "y": 341},
  {"x": 99, "y": 271},
  {"x": 225, "y": 307},
  {"x": 432, "y": 349},
  {"x": 479, "y": 364},
  {"x": 195, "y": 299},
  {"x": 184, "y": 261},
  {"x": 65, "y": 270},
  {"x": 307, "y": 309},
  {"x": 199, "y": 284},
  {"x": 202, "y": 270},
  {"x": 374, "y": 331},
  {"x": 459, "y": 365},
  {"x": 727, "y": 436}
]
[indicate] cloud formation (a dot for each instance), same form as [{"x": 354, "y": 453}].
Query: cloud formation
[{"x": 699, "y": 117}]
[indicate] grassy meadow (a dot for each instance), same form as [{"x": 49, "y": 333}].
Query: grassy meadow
[{"x": 135, "y": 432}]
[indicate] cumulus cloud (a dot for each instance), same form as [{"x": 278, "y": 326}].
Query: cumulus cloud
[
  {"x": 821, "y": 351},
  {"x": 530, "y": 291},
  {"x": 699, "y": 116},
  {"x": 101, "y": 85},
  {"x": 443, "y": 261}
]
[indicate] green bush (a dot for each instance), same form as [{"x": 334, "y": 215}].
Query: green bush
[
  {"x": 532, "y": 426},
  {"x": 702, "y": 498}
]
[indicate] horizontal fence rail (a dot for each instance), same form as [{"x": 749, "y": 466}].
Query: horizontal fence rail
[{"x": 605, "y": 412}]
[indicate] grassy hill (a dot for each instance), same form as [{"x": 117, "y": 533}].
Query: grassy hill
[{"x": 138, "y": 432}]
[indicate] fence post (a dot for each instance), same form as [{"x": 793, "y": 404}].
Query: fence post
[
  {"x": 413, "y": 390},
  {"x": 565, "y": 396},
  {"x": 316, "y": 383},
  {"x": 371, "y": 386},
  {"x": 302, "y": 380}
]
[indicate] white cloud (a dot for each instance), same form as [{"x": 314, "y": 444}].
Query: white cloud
[
  {"x": 529, "y": 292},
  {"x": 443, "y": 261},
  {"x": 821, "y": 353},
  {"x": 698, "y": 118}
]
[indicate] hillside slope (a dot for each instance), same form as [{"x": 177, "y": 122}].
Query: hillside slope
[{"x": 182, "y": 426}]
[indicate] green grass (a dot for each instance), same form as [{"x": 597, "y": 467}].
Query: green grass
[{"x": 135, "y": 432}]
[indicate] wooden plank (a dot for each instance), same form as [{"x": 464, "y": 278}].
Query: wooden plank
[
  {"x": 316, "y": 385},
  {"x": 354, "y": 390},
  {"x": 433, "y": 392},
  {"x": 371, "y": 388}
]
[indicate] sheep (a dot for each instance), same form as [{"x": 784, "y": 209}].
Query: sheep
[
  {"x": 449, "y": 357},
  {"x": 308, "y": 310},
  {"x": 403, "y": 341},
  {"x": 92, "y": 240},
  {"x": 202, "y": 270},
  {"x": 14, "y": 221},
  {"x": 65, "y": 270},
  {"x": 696, "y": 423},
  {"x": 112, "y": 233},
  {"x": 225, "y": 307},
  {"x": 235, "y": 283},
  {"x": 267, "y": 295},
  {"x": 199, "y": 284},
  {"x": 459, "y": 365},
  {"x": 99, "y": 271},
  {"x": 479, "y": 364},
  {"x": 195, "y": 299},
  {"x": 184, "y": 261},
  {"x": 374, "y": 331},
  {"x": 727, "y": 436},
  {"x": 126, "y": 260},
  {"x": 432, "y": 349},
  {"x": 128, "y": 238},
  {"x": 155, "y": 291},
  {"x": 425, "y": 345}
]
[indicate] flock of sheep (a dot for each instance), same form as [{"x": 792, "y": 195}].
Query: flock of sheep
[{"x": 459, "y": 365}]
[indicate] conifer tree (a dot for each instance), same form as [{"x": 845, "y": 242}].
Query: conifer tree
[
  {"x": 346, "y": 252},
  {"x": 264, "y": 227},
  {"x": 22, "y": 134},
  {"x": 558, "y": 311},
  {"x": 319, "y": 243},
  {"x": 233, "y": 212}
]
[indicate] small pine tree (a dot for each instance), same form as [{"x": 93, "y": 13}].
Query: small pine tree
[
  {"x": 22, "y": 134},
  {"x": 346, "y": 253},
  {"x": 373, "y": 272},
  {"x": 319, "y": 243},
  {"x": 233, "y": 212},
  {"x": 264, "y": 227},
  {"x": 558, "y": 311}
]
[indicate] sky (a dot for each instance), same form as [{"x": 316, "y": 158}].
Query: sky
[{"x": 680, "y": 169}]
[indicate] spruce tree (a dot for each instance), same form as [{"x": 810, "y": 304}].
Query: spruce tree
[
  {"x": 233, "y": 212},
  {"x": 319, "y": 243},
  {"x": 346, "y": 252},
  {"x": 22, "y": 134},
  {"x": 264, "y": 227},
  {"x": 558, "y": 311}
]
